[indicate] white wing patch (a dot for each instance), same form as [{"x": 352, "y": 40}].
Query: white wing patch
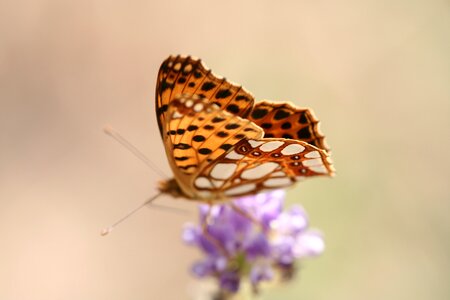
[
  {"x": 240, "y": 189},
  {"x": 271, "y": 146},
  {"x": 223, "y": 170},
  {"x": 292, "y": 149},
  {"x": 313, "y": 154},
  {"x": 277, "y": 182},
  {"x": 259, "y": 171}
]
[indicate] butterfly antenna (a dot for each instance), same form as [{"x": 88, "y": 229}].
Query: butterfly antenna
[
  {"x": 108, "y": 229},
  {"x": 119, "y": 138}
]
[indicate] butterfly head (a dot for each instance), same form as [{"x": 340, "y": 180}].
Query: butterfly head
[{"x": 171, "y": 187}]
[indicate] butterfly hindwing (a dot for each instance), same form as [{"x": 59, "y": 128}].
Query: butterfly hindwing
[
  {"x": 259, "y": 165},
  {"x": 283, "y": 120}
]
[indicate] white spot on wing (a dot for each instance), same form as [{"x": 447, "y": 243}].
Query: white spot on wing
[
  {"x": 176, "y": 115},
  {"x": 188, "y": 68},
  {"x": 313, "y": 154},
  {"x": 279, "y": 173},
  {"x": 292, "y": 149},
  {"x": 254, "y": 143},
  {"x": 234, "y": 155},
  {"x": 240, "y": 189},
  {"x": 223, "y": 170},
  {"x": 259, "y": 171},
  {"x": 312, "y": 162},
  {"x": 270, "y": 146},
  {"x": 198, "y": 107},
  {"x": 203, "y": 183},
  {"x": 319, "y": 169},
  {"x": 189, "y": 103},
  {"x": 278, "y": 182},
  {"x": 217, "y": 183}
]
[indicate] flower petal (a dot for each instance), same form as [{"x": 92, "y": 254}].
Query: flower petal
[
  {"x": 230, "y": 281},
  {"x": 309, "y": 244},
  {"x": 260, "y": 273}
]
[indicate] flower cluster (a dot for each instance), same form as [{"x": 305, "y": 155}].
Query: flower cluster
[{"x": 251, "y": 238}]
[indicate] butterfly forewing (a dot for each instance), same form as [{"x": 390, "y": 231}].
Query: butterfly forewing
[
  {"x": 198, "y": 132},
  {"x": 186, "y": 75}
]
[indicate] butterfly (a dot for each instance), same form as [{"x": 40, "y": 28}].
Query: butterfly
[{"x": 221, "y": 144}]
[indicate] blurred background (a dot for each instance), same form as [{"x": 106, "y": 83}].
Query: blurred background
[{"x": 375, "y": 72}]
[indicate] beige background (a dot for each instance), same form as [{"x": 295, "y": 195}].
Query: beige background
[{"x": 375, "y": 72}]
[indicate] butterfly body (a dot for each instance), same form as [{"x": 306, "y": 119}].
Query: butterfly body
[{"x": 220, "y": 144}]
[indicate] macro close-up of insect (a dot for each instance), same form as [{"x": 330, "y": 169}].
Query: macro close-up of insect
[
  {"x": 220, "y": 143},
  {"x": 279, "y": 150}
]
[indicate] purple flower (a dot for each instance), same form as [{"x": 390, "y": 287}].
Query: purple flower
[{"x": 251, "y": 239}]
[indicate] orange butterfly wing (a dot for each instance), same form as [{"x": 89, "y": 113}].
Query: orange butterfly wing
[
  {"x": 197, "y": 132},
  {"x": 258, "y": 165},
  {"x": 186, "y": 75},
  {"x": 214, "y": 141},
  {"x": 284, "y": 120}
]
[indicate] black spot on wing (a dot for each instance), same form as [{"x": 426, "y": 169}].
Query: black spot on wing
[
  {"x": 232, "y": 126},
  {"x": 197, "y": 74},
  {"x": 181, "y": 158},
  {"x": 222, "y": 134},
  {"x": 217, "y": 120},
  {"x": 223, "y": 93},
  {"x": 226, "y": 146},
  {"x": 281, "y": 114},
  {"x": 192, "y": 128},
  {"x": 304, "y": 133},
  {"x": 241, "y": 97},
  {"x": 303, "y": 119},
  {"x": 181, "y": 146},
  {"x": 259, "y": 113},
  {"x": 204, "y": 151},
  {"x": 233, "y": 108},
  {"x": 208, "y": 86},
  {"x": 286, "y": 125},
  {"x": 165, "y": 85},
  {"x": 163, "y": 109},
  {"x": 198, "y": 138}
]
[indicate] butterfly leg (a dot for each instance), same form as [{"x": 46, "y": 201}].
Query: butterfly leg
[{"x": 243, "y": 212}]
